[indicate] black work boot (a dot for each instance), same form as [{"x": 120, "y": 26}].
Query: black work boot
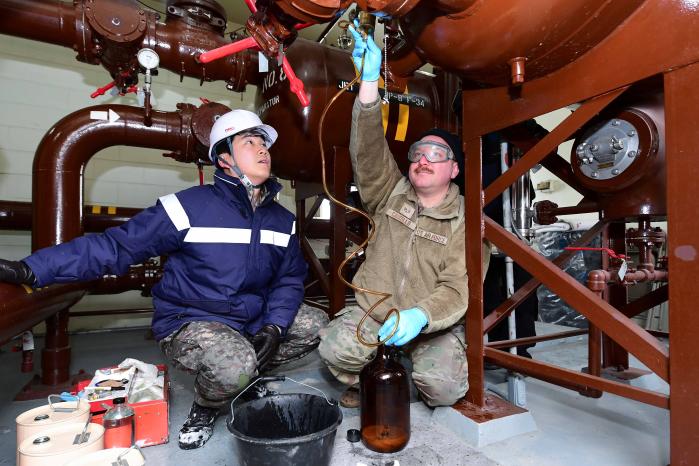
[{"x": 198, "y": 428}]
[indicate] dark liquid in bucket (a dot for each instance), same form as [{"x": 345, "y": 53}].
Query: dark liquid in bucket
[{"x": 385, "y": 439}]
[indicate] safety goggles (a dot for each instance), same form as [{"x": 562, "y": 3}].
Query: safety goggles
[{"x": 434, "y": 152}]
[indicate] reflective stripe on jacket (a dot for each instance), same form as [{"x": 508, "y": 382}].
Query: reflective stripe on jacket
[{"x": 226, "y": 262}]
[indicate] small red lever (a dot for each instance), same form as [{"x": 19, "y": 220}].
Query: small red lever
[
  {"x": 607, "y": 250},
  {"x": 295, "y": 84},
  {"x": 101, "y": 90},
  {"x": 226, "y": 50}
]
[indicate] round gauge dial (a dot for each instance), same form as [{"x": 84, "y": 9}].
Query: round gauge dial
[{"x": 148, "y": 59}]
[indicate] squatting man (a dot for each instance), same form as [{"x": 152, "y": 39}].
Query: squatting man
[{"x": 230, "y": 300}]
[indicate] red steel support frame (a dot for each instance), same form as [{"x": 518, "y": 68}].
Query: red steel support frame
[
  {"x": 646, "y": 53},
  {"x": 682, "y": 141}
]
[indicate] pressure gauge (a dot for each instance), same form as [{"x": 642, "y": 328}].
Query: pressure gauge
[{"x": 148, "y": 59}]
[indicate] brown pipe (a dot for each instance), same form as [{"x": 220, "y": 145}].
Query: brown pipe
[
  {"x": 21, "y": 309},
  {"x": 43, "y": 20},
  {"x": 62, "y": 154},
  {"x": 597, "y": 280},
  {"x": 547, "y": 212},
  {"x": 110, "y": 32},
  {"x": 18, "y": 216}
]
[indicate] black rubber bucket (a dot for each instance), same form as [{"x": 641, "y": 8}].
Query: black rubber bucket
[{"x": 285, "y": 430}]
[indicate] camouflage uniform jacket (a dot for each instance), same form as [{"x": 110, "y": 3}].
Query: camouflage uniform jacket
[{"x": 416, "y": 254}]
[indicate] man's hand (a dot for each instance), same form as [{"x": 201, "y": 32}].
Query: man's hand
[
  {"x": 16, "y": 272},
  {"x": 411, "y": 323},
  {"x": 367, "y": 48},
  {"x": 266, "y": 343}
]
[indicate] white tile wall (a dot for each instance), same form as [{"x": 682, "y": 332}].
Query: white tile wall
[{"x": 42, "y": 83}]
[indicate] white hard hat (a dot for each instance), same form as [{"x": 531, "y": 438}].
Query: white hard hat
[{"x": 234, "y": 122}]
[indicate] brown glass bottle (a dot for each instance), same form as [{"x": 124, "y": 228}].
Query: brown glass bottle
[{"x": 385, "y": 402}]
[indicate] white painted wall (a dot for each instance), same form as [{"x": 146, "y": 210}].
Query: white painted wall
[{"x": 42, "y": 83}]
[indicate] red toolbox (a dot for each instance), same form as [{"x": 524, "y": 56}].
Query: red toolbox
[{"x": 151, "y": 418}]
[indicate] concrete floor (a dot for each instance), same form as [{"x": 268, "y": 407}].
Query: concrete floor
[{"x": 573, "y": 430}]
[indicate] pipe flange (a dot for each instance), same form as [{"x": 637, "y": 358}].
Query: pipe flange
[
  {"x": 614, "y": 153},
  {"x": 115, "y": 21},
  {"x": 204, "y": 118}
]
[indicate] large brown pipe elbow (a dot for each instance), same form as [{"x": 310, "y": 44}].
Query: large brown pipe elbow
[{"x": 59, "y": 163}]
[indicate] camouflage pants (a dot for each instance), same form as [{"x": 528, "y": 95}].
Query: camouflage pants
[
  {"x": 440, "y": 370},
  {"x": 224, "y": 361}
]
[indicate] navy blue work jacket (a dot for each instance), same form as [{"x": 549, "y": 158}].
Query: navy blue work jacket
[{"x": 226, "y": 262}]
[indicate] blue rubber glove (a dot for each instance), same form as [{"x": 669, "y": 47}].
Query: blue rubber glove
[
  {"x": 371, "y": 52},
  {"x": 411, "y": 323}
]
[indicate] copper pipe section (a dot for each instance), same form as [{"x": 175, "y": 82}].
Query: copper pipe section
[
  {"x": 110, "y": 32},
  {"x": 21, "y": 308},
  {"x": 597, "y": 280},
  {"x": 18, "y": 216},
  {"x": 517, "y": 70}
]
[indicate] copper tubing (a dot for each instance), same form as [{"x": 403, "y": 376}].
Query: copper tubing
[
  {"x": 383, "y": 295},
  {"x": 18, "y": 216}
]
